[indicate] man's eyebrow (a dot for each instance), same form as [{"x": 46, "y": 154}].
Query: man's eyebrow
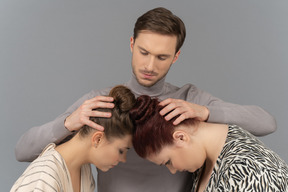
[
  {"x": 143, "y": 49},
  {"x": 164, "y": 55},
  {"x": 160, "y": 55}
]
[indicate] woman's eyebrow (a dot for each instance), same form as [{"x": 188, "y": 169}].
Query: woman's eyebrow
[{"x": 167, "y": 162}]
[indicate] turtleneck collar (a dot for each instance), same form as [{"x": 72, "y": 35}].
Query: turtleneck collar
[{"x": 152, "y": 91}]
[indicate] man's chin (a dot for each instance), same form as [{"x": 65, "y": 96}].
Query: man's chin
[{"x": 146, "y": 83}]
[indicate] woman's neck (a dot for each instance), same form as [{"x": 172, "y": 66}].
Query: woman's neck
[
  {"x": 73, "y": 153},
  {"x": 213, "y": 137}
]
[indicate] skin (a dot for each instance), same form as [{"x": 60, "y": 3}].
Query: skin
[
  {"x": 185, "y": 154},
  {"x": 94, "y": 149},
  {"x": 108, "y": 153},
  {"x": 152, "y": 56},
  {"x": 81, "y": 116},
  {"x": 192, "y": 148},
  {"x": 177, "y": 157}
]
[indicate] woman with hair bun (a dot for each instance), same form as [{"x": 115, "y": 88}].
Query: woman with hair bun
[
  {"x": 220, "y": 157},
  {"x": 66, "y": 167}
]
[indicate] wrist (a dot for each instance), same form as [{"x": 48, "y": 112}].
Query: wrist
[
  {"x": 207, "y": 114},
  {"x": 66, "y": 124}
]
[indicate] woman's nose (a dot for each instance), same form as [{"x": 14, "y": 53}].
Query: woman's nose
[
  {"x": 123, "y": 158},
  {"x": 172, "y": 170}
]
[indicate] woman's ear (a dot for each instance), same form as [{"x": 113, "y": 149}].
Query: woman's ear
[
  {"x": 181, "y": 138},
  {"x": 97, "y": 138}
]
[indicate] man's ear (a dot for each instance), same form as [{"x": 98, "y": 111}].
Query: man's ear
[
  {"x": 176, "y": 56},
  {"x": 131, "y": 44},
  {"x": 181, "y": 138},
  {"x": 97, "y": 138}
]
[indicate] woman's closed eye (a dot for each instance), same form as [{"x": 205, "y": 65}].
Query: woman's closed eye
[
  {"x": 121, "y": 151},
  {"x": 168, "y": 162}
]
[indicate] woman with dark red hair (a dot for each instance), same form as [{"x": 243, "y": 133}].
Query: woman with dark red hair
[{"x": 219, "y": 156}]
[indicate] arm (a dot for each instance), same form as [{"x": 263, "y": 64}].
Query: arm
[
  {"x": 31, "y": 143},
  {"x": 205, "y": 107},
  {"x": 46, "y": 173},
  {"x": 35, "y": 139},
  {"x": 253, "y": 118},
  {"x": 37, "y": 180},
  {"x": 245, "y": 175}
]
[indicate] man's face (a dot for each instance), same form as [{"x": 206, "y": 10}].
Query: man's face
[{"x": 152, "y": 56}]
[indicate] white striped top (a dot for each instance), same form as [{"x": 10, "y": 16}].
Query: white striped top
[{"x": 49, "y": 173}]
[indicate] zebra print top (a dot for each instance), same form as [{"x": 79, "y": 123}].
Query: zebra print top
[{"x": 245, "y": 164}]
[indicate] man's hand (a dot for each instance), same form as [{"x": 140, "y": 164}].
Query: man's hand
[
  {"x": 81, "y": 116},
  {"x": 184, "y": 109}
]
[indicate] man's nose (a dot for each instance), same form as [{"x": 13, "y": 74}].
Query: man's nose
[{"x": 150, "y": 64}]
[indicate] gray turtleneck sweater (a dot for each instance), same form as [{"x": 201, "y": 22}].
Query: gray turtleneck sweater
[{"x": 138, "y": 174}]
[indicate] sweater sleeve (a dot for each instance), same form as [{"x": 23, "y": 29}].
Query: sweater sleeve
[
  {"x": 252, "y": 118},
  {"x": 31, "y": 143},
  {"x": 37, "y": 181},
  {"x": 47, "y": 173}
]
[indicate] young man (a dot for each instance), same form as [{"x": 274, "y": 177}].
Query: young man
[{"x": 155, "y": 46}]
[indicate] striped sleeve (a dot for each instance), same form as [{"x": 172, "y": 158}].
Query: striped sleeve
[{"x": 46, "y": 173}]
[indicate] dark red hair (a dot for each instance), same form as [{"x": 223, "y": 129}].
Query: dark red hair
[{"x": 152, "y": 131}]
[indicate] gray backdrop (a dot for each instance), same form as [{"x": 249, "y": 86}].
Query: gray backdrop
[{"x": 52, "y": 52}]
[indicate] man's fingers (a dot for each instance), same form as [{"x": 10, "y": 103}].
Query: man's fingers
[
  {"x": 168, "y": 108},
  {"x": 102, "y": 98},
  {"x": 166, "y": 102},
  {"x": 172, "y": 114},
  {"x": 179, "y": 119},
  {"x": 99, "y": 114},
  {"x": 99, "y": 104},
  {"x": 94, "y": 125}
]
